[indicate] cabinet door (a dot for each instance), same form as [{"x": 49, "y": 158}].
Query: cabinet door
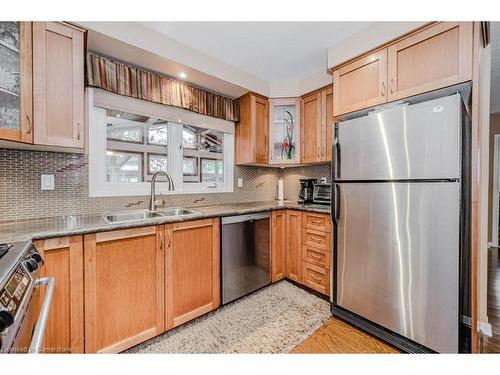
[
  {"x": 294, "y": 245},
  {"x": 284, "y": 131},
  {"x": 63, "y": 260},
  {"x": 327, "y": 138},
  {"x": 310, "y": 136},
  {"x": 58, "y": 84},
  {"x": 16, "y": 100},
  {"x": 360, "y": 84},
  {"x": 436, "y": 57},
  {"x": 192, "y": 270},
  {"x": 261, "y": 110},
  {"x": 124, "y": 288},
  {"x": 278, "y": 245}
]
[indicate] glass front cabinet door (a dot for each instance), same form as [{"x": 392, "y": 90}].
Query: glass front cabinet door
[
  {"x": 16, "y": 119},
  {"x": 284, "y": 131}
]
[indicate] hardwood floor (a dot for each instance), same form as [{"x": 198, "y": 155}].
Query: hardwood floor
[
  {"x": 492, "y": 344},
  {"x": 337, "y": 336}
]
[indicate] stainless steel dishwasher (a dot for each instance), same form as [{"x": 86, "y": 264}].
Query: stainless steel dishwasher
[{"x": 245, "y": 254}]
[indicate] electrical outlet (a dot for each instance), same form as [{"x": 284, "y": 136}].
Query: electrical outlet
[
  {"x": 47, "y": 182},
  {"x": 240, "y": 182}
]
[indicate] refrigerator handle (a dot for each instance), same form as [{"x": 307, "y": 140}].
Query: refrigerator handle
[
  {"x": 336, "y": 154},
  {"x": 336, "y": 204}
]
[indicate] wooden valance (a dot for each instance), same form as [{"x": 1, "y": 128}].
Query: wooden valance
[{"x": 123, "y": 79}]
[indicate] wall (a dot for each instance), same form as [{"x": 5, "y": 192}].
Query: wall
[
  {"x": 494, "y": 129},
  {"x": 21, "y": 197}
]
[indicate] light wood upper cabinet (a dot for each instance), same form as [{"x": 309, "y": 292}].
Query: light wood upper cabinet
[
  {"x": 252, "y": 131},
  {"x": 192, "y": 272},
  {"x": 58, "y": 84},
  {"x": 436, "y": 57},
  {"x": 16, "y": 97},
  {"x": 294, "y": 245},
  {"x": 278, "y": 245},
  {"x": 63, "y": 260},
  {"x": 317, "y": 126},
  {"x": 310, "y": 130},
  {"x": 361, "y": 83},
  {"x": 284, "y": 131},
  {"x": 124, "y": 288},
  {"x": 328, "y": 121}
]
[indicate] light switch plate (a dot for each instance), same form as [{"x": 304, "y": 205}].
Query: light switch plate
[
  {"x": 47, "y": 182},
  {"x": 240, "y": 182}
]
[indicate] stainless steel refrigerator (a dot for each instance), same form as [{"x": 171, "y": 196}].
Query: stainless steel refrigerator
[{"x": 400, "y": 198}]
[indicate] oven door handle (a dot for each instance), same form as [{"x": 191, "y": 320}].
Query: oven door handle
[{"x": 36, "y": 341}]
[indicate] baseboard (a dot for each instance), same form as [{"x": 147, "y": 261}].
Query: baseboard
[{"x": 485, "y": 328}]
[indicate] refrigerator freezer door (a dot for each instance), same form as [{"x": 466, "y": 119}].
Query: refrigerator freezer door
[
  {"x": 398, "y": 258},
  {"x": 420, "y": 141}
]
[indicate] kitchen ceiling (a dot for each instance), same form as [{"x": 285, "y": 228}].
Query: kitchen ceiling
[{"x": 272, "y": 51}]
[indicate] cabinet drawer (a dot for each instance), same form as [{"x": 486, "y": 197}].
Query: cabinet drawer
[
  {"x": 317, "y": 222},
  {"x": 316, "y": 238},
  {"x": 317, "y": 278},
  {"x": 317, "y": 256}
]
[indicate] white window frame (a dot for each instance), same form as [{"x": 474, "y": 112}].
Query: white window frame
[{"x": 97, "y": 146}]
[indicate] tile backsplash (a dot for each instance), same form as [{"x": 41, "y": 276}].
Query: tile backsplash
[{"x": 21, "y": 197}]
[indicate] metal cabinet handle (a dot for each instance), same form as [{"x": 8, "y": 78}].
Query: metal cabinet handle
[
  {"x": 392, "y": 88},
  {"x": 161, "y": 241},
  {"x": 169, "y": 239},
  {"x": 30, "y": 127},
  {"x": 77, "y": 131},
  {"x": 39, "y": 329},
  {"x": 383, "y": 88}
]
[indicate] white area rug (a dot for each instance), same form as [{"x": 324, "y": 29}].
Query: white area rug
[{"x": 272, "y": 320}]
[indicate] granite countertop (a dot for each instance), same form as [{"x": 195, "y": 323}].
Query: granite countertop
[{"x": 74, "y": 225}]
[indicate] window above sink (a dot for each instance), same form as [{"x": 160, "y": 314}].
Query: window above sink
[{"x": 131, "y": 139}]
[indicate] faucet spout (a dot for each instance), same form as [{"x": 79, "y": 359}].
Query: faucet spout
[{"x": 152, "y": 197}]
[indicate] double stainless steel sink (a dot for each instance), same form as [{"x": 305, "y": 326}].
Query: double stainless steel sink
[{"x": 127, "y": 216}]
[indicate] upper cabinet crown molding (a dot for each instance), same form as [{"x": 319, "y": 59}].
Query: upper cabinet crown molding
[
  {"x": 433, "y": 57},
  {"x": 58, "y": 84}
]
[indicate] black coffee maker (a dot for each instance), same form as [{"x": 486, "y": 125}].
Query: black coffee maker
[{"x": 306, "y": 190}]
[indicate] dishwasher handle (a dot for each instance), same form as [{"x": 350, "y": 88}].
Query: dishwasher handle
[{"x": 244, "y": 218}]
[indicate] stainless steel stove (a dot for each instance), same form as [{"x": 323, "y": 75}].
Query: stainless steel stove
[{"x": 22, "y": 313}]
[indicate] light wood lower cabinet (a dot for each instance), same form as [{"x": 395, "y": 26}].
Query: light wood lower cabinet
[
  {"x": 124, "y": 288},
  {"x": 307, "y": 250},
  {"x": 294, "y": 243},
  {"x": 192, "y": 272},
  {"x": 63, "y": 260},
  {"x": 278, "y": 245}
]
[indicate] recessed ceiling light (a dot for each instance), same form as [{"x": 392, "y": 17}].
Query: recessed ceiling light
[{"x": 183, "y": 75}]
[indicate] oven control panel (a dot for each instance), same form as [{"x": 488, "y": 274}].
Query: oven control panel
[{"x": 13, "y": 293}]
